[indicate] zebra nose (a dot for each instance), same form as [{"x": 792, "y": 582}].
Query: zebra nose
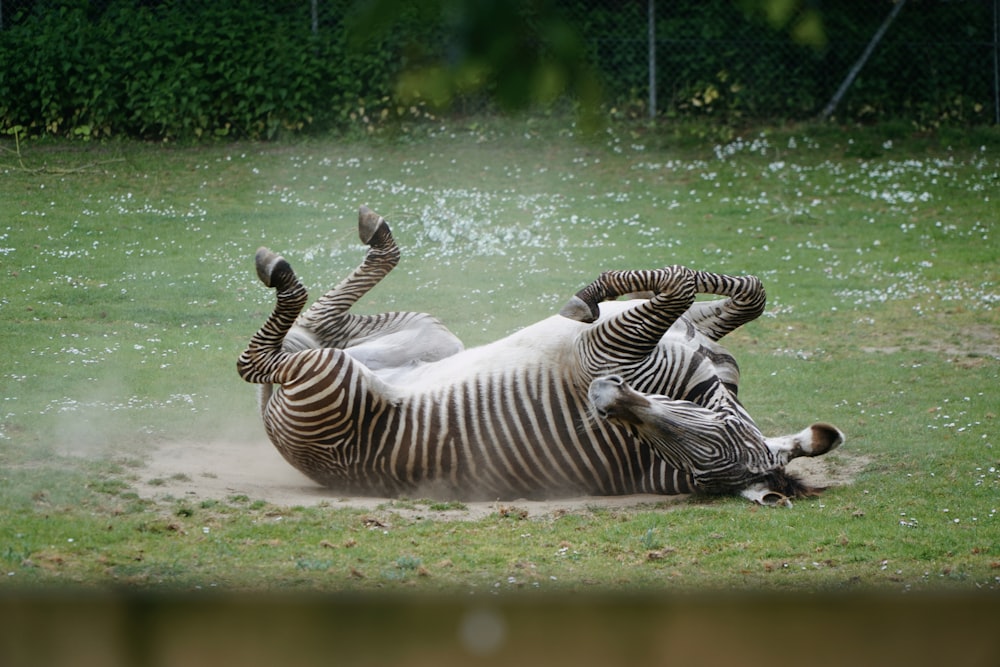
[
  {"x": 604, "y": 390},
  {"x": 604, "y": 394}
]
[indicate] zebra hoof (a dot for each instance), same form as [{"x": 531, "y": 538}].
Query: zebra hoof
[
  {"x": 273, "y": 270},
  {"x": 579, "y": 310},
  {"x": 815, "y": 440},
  {"x": 373, "y": 230}
]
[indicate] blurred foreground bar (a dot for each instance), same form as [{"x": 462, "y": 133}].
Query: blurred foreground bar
[{"x": 191, "y": 630}]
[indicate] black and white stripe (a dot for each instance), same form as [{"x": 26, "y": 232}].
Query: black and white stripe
[{"x": 506, "y": 420}]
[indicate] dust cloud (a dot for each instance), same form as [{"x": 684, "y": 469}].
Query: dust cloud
[{"x": 223, "y": 468}]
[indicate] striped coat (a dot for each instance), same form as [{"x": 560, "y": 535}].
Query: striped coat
[{"x": 607, "y": 397}]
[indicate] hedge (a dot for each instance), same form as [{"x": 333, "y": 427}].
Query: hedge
[
  {"x": 163, "y": 69},
  {"x": 186, "y": 70}
]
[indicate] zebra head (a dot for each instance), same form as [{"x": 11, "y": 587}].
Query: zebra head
[{"x": 722, "y": 451}]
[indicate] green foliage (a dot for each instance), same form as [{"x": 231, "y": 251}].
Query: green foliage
[
  {"x": 183, "y": 70},
  {"x": 187, "y": 70}
]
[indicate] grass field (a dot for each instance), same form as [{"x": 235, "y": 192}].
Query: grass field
[{"x": 129, "y": 291}]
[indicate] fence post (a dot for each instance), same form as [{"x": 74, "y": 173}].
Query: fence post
[
  {"x": 996, "y": 62},
  {"x": 853, "y": 74},
  {"x": 315, "y": 16},
  {"x": 651, "y": 11}
]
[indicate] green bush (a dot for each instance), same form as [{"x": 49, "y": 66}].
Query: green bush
[
  {"x": 236, "y": 70},
  {"x": 180, "y": 69},
  {"x": 183, "y": 70}
]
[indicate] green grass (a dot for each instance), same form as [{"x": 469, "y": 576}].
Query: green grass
[{"x": 129, "y": 291}]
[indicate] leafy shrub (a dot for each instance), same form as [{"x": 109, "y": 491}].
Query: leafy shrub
[{"x": 182, "y": 69}]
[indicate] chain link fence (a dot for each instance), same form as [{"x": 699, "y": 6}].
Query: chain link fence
[
  {"x": 934, "y": 57},
  {"x": 925, "y": 60}
]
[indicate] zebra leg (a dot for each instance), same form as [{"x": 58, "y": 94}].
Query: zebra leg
[
  {"x": 672, "y": 285},
  {"x": 385, "y": 340},
  {"x": 328, "y": 321},
  {"x": 263, "y": 357},
  {"x": 744, "y": 303},
  {"x": 631, "y": 335}
]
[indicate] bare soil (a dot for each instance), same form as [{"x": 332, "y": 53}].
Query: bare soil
[{"x": 220, "y": 470}]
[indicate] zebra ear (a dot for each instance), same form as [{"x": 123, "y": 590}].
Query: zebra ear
[
  {"x": 760, "y": 494},
  {"x": 815, "y": 440}
]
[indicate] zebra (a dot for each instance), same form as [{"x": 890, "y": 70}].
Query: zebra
[{"x": 626, "y": 390}]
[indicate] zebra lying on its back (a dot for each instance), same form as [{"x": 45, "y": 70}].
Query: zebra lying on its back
[{"x": 608, "y": 397}]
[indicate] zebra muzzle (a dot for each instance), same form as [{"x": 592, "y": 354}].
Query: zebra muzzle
[{"x": 612, "y": 399}]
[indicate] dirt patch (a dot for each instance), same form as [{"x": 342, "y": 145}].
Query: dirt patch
[
  {"x": 220, "y": 470},
  {"x": 979, "y": 343}
]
